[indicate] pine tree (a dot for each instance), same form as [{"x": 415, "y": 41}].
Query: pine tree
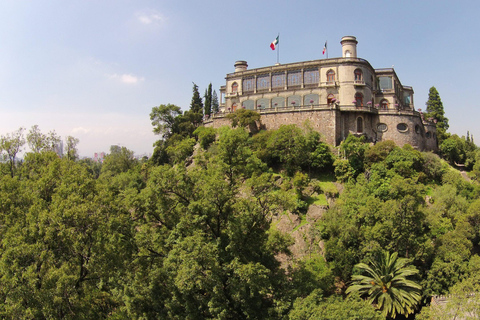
[
  {"x": 435, "y": 110},
  {"x": 215, "y": 104},
  {"x": 196, "y": 106},
  {"x": 208, "y": 100}
]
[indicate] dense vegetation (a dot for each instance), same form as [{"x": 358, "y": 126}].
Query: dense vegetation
[{"x": 191, "y": 233}]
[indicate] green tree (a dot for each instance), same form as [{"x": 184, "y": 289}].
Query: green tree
[
  {"x": 387, "y": 285},
  {"x": 208, "y": 100},
  {"x": 244, "y": 118},
  {"x": 12, "y": 144},
  {"x": 435, "y": 110},
  {"x": 196, "y": 106},
  {"x": 119, "y": 160},
  {"x": 163, "y": 119},
  {"x": 36, "y": 139},
  {"x": 317, "y": 307},
  {"x": 71, "y": 147},
  {"x": 215, "y": 104}
]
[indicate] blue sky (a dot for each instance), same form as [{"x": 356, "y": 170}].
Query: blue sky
[{"x": 94, "y": 69}]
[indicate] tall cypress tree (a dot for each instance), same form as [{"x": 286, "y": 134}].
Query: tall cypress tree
[
  {"x": 215, "y": 104},
  {"x": 435, "y": 110},
  {"x": 208, "y": 100}
]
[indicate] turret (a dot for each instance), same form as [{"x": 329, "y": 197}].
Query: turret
[
  {"x": 349, "y": 47},
  {"x": 240, "y": 65}
]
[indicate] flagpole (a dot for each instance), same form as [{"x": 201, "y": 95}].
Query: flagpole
[{"x": 278, "y": 51}]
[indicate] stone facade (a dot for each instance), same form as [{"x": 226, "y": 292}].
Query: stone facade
[{"x": 336, "y": 97}]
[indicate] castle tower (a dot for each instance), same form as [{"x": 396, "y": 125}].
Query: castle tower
[
  {"x": 240, "y": 65},
  {"x": 349, "y": 47}
]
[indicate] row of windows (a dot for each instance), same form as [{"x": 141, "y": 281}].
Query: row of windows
[
  {"x": 403, "y": 127},
  {"x": 293, "y": 78}
]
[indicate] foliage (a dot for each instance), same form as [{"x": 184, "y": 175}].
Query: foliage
[
  {"x": 387, "y": 285},
  {"x": 208, "y": 100},
  {"x": 315, "y": 306},
  {"x": 12, "y": 144},
  {"x": 206, "y": 136},
  {"x": 163, "y": 119},
  {"x": 215, "y": 104},
  {"x": 244, "y": 118},
  {"x": 435, "y": 110}
]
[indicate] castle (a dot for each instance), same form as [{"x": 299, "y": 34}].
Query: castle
[{"x": 336, "y": 97}]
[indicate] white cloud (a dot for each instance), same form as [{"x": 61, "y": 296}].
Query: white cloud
[
  {"x": 127, "y": 78},
  {"x": 152, "y": 17}
]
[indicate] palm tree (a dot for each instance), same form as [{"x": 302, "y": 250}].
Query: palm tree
[{"x": 387, "y": 286}]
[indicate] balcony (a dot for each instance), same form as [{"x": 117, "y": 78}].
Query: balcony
[{"x": 359, "y": 82}]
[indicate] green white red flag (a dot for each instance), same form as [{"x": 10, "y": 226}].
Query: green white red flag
[{"x": 274, "y": 43}]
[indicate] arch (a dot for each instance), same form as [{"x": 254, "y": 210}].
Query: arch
[
  {"x": 347, "y": 54},
  {"x": 330, "y": 76},
  {"x": 311, "y": 99},
  {"x": 263, "y": 103},
  {"x": 235, "y": 87},
  {"x": 359, "y": 125},
  {"x": 358, "y": 75},
  {"x": 249, "y": 104},
  {"x": 359, "y": 99},
  {"x": 384, "y": 104},
  {"x": 330, "y": 98},
  {"x": 278, "y": 102},
  {"x": 234, "y": 107},
  {"x": 294, "y": 101}
]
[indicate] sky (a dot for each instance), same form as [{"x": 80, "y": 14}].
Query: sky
[{"x": 94, "y": 69}]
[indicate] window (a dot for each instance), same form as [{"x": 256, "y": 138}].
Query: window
[
  {"x": 294, "y": 78},
  {"x": 359, "y": 99},
  {"x": 402, "y": 127},
  {"x": 234, "y": 107},
  {"x": 358, "y": 75},
  {"x": 382, "y": 127},
  {"x": 248, "y": 85},
  {"x": 249, "y": 104},
  {"x": 347, "y": 54},
  {"x": 331, "y": 76},
  {"x": 263, "y": 82},
  {"x": 407, "y": 98},
  {"x": 278, "y": 80},
  {"x": 310, "y": 99},
  {"x": 330, "y": 99},
  {"x": 428, "y": 135},
  {"x": 359, "y": 125},
  {"x": 263, "y": 103},
  {"x": 294, "y": 101},
  {"x": 384, "y": 104},
  {"x": 311, "y": 76},
  {"x": 278, "y": 102},
  {"x": 385, "y": 83},
  {"x": 234, "y": 87}
]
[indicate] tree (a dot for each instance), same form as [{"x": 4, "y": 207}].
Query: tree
[
  {"x": 435, "y": 110},
  {"x": 244, "y": 118},
  {"x": 12, "y": 144},
  {"x": 119, "y": 160},
  {"x": 71, "y": 148},
  {"x": 163, "y": 119},
  {"x": 215, "y": 104},
  {"x": 208, "y": 100},
  {"x": 35, "y": 139},
  {"x": 387, "y": 285},
  {"x": 196, "y": 106}
]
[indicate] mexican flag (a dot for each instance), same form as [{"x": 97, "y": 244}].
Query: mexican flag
[{"x": 274, "y": 43}]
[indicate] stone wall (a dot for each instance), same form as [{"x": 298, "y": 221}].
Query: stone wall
[{"x": 335, "y": 125}]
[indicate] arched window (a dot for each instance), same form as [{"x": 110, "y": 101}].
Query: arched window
[
  {"x": 359, "y": 125},
  {"x": 358, "y": 75},
  {"x": 234, "y": 87},
  {"x": 234, "y": 107},
  {"x": 384, "y": 104},
  {"x": 331, "y": 76},
  {"x": 359, "y": 99},
  {"x": 347, "y": 54},
  {"x": 330, "y": 99}
]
